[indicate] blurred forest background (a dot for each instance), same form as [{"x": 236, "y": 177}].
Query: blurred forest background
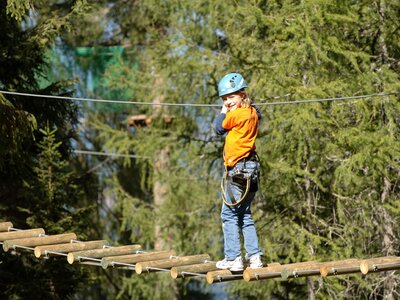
[{"x": 330, "y": 169}]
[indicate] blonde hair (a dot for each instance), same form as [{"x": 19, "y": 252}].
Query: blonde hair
[{"x": 246, "y": 102}]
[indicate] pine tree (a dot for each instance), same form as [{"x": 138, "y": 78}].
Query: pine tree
[
  {"x": 27, "y": 199},
  {"x": 53, "y": 197}
]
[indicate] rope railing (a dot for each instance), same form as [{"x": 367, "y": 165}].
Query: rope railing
[{"x": 111, "y": 101}]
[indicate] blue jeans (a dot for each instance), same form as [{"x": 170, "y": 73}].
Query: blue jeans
[{"x": 238, "y": 219}]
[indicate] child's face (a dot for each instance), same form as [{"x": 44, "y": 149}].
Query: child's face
[{"x": 232, "y": 101}]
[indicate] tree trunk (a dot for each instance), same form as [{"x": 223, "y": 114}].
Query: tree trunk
[
  {"x": 161, "y": 187},
  {"x": 311, "y": 208},
  {"x": 310, "y": 288},
  {"x": 160, "y": 191},
  {"x": 389, "y": 284},
  {"x": 381, "y": 39},
  {"x": 161, "y": 166}
]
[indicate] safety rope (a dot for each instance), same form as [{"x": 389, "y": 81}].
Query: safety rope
[
  {"x": 97, "y": 153},
  {"x": 226, "y": 182},
  {"x": 199, "y": 104}
]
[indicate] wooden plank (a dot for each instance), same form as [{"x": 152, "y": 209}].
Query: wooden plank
[
  {"x": 223, "y": 275},
  {"x": 37, "y": 241},
  {"x": 5, "y": 226},
  {"x": 263, "y": 273},
  {"x": 69, "y": 247},
  {"x": 302, "y": 270},
  {"x": 107, "y": 262},
  {"x": 36, "y": 232},
  {"x": 146, "y": 266},
  {"x": 338, "y": 267},
  {"x": 179, "y": 272},
  {"x": 371, "y": 264},
  {"x": 100, "y": 253},
  {"x": 385, "y": 266},
  {"x": 274, "y": 270}
]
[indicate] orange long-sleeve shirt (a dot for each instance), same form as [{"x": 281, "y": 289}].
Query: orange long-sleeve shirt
[{"x": 242, "y": 126}]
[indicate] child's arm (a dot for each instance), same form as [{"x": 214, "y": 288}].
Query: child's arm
[
  {"x": 220, "y": 119},
  {"x": 218, "y": 126}
]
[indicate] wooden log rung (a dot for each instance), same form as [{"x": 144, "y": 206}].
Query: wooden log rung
[
  {"x": 64, "y": 249},
  {"x": 37, "y": 241},
  {"x": 276, "y": 270},
  {"x": 222, "y": 276},
  {"x": 268, "y": 275},
  {"x": 173, "y": 261},
  {"x": 329, "y": 268},
  {"x": 300, "y": 273},
  {"x": 385, "y": 267},
  {"x": 5, "y": 226},
  {"x": 110, "y": 261},
  {"x": 366, "y": 265},
  {"x": 101, "y": 253},
  {"x": 19, "y": 234},
  {"x": 193, "y": 270},
  {"x": 342, "y": 270}
]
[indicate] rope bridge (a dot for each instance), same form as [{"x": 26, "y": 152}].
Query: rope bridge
[{"x": 133, "y": 257}]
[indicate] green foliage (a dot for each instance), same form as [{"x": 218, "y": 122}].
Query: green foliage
[
  {"x": 37, "y": 188},
  {"x": 17, "y": 127},
  {"x": 50, "y": 281},
  {"x": 54, "y": 192},
  {"x": 327, "y": 164},
  {"x": 52, "y": 198},
  {"x": 17, "y": 8}
]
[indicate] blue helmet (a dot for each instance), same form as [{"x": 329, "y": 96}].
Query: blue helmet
[{"x": 231, "y": 83}]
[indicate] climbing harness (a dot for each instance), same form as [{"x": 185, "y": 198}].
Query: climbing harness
[{"x": 244, "y": 177}]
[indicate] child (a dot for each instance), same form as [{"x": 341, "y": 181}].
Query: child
[{"x": 239, "y": 119}]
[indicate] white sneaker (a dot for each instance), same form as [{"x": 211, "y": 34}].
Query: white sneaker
[
  {"x": 255, "y": 262},
  {"x": 232, "y": 265}
]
